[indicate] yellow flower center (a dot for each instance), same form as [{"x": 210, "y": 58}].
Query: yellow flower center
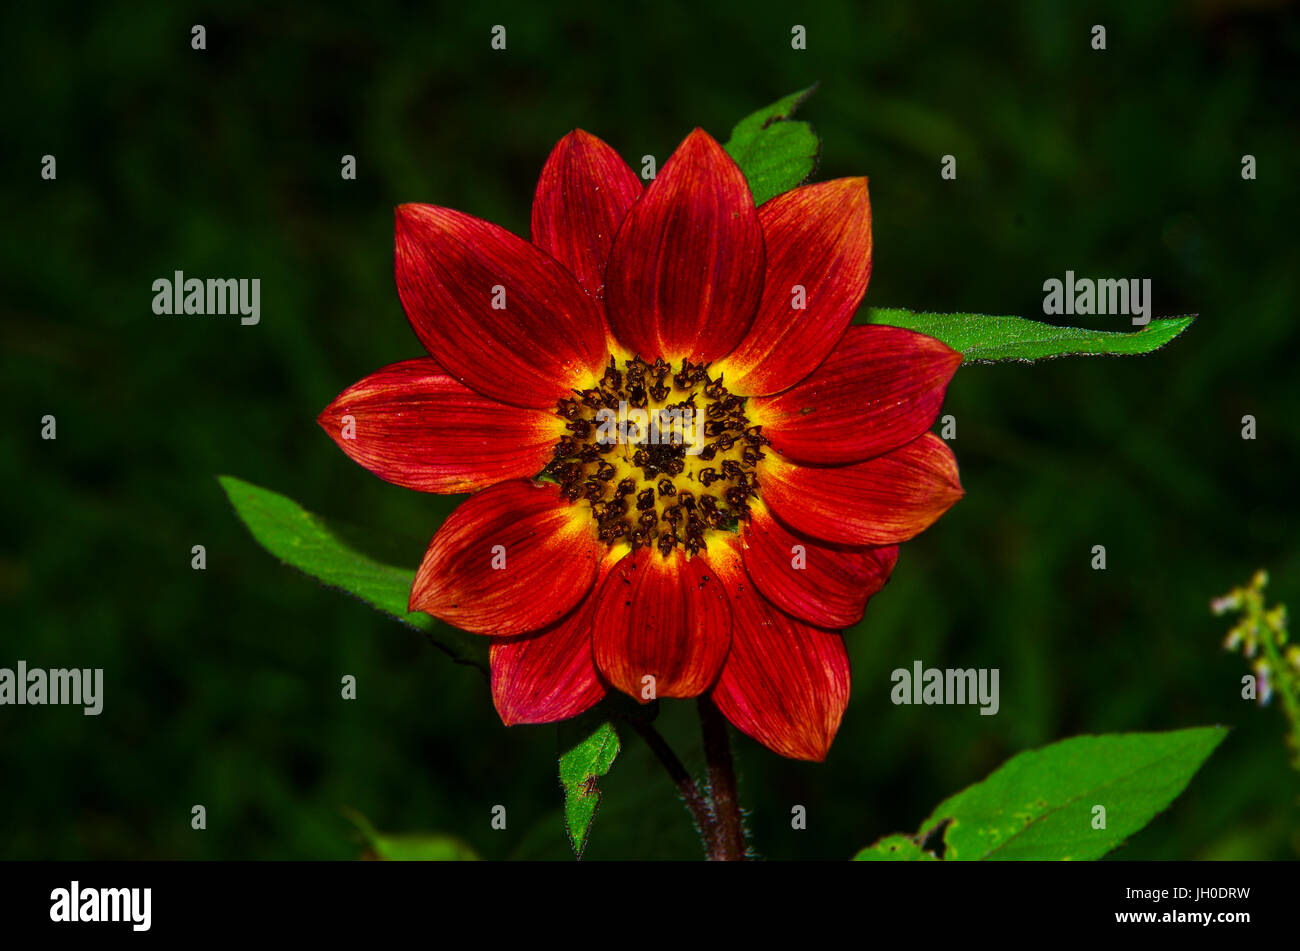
[{"x": 663, "y": 459}]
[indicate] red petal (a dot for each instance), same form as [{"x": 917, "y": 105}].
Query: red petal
[
  {"x": 786, "y": 684},
  {"x": 822, "y": 584},
  {"x": 686, "y": 270},
  {"x": 878, "y": 502},
  {"x": 536, "y": 531},
  {"x": 817, "y": 237},
  {"x": 665, "y": 618},
  {"x": 548, "y": 676},
  {"x": 549, "y": 337},
  {"x": 416, "y": 427},
  {"x": 583, "y": 194},
  {"x": 880, "y": 388}
]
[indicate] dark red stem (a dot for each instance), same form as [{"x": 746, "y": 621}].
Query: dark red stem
[{"x": 729, "y": 843}]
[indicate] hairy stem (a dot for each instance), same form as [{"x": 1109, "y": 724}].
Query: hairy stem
[
  {"x": 729, "y": 844},
  {"x": 686, "y": 787}
]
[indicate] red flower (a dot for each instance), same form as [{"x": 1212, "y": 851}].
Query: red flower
[{"x": 721, "y": 552}]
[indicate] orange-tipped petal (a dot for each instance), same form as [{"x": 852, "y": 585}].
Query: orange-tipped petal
[
  {"x": 498, "y": 313},
  {"x": 661, "y": 618},
  {"x": 582, "y": 197},
  {"x": 686, "y": 270},
  {"x": 511, "y": 559},
  {"x": 817, "y": 582},
  {"x": 817, "y": 240},
  {"x": 547, "y": 676},
  {"x": 880, "y": 388},
  {"x": 786, "y": 684},
  {"x": 882, "y": 501},
  {"x": 413, "y": 425}
]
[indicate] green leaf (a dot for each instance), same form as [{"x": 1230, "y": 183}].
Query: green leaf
[
  {"x": 983, "y": 339},
  {"x": 313, "y": 546},
  {"x": 775, "y": 152},
  {"x": 588, "y": 746},
  {"x": 895, "y": 848},
  {"x": 1042, "y": 804},
  {"x": 431, "y": 847}
]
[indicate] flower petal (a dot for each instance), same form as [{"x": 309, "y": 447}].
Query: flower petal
[
  {"x": 816, "y": 582},
  {"x": 686, "y": 269},
  {"x": 880, "y": 388},
  {"x": 817, "y": 237},
  {"x": 413, "y": 425},
  {"x": 665, "y": 618},
  {"x": 547, "y": 676},
  {"x": 882, "y": 501},
  {"x": 785, "y": 684},
  {"x": 498, "y": 314},
  {"x": 585, "y": 191},
  {"x": 513, "y": 558}
]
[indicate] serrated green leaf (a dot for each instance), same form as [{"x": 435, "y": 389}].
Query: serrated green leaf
[
  {"x": 984, "y": 339},
  {"x": 310, "y": 544},
  {"x": 775, "y": 152},
  {"x": 588, "y": 746},
  {"x": 419, "y": 847},
  {"x": 895, "y": 848},
  {"x": 1042, "y": 804}
]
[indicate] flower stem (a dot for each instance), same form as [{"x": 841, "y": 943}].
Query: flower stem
[
  {"x": 686, "y": 787},
  {"x": 729, "y": 844}
]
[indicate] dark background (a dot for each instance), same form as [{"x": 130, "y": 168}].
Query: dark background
[{"x": 222, "y": 687}]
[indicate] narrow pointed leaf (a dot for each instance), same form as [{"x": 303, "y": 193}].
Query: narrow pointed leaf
[
  {"x": 310, "y": 544},
  {"x": 588, "y": 746},
  {"x": 984, "y": 339},
  {"x": 775, "y": 152}
]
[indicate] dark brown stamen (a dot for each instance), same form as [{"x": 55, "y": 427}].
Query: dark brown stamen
[{"x": 662, "y": 458}]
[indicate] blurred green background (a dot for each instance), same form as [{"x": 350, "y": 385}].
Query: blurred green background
[{"x": 222, "y": 686}]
